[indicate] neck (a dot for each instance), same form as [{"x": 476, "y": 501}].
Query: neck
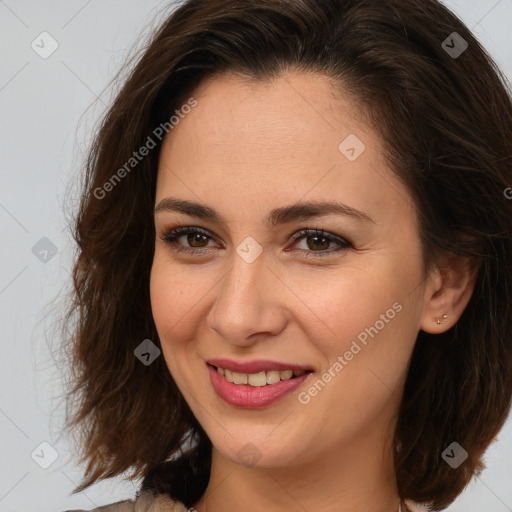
[{"x": 353, "y": 478}]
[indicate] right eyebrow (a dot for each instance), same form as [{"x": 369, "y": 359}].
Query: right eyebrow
[{"x": 282, "y": 215}]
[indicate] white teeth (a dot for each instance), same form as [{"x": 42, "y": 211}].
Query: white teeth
[
  {"x": 259, "y": 379},
  {"x": 286, "y": 374},
  {"x": 273, "y": 376},
  {"x": 240, "y": 378}
]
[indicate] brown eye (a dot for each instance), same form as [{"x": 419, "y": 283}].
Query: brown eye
[
  {"x": 317, "y": 241},
  {"x": 196, "y": 238}
]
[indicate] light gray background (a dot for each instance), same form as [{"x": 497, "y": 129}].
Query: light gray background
[{"x": 45, "y": 126}]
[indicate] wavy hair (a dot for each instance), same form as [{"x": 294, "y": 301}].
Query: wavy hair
[{"x": 446, "y": 123}]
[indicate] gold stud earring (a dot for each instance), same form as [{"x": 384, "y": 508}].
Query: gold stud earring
[{"x": 442, "y": 319}]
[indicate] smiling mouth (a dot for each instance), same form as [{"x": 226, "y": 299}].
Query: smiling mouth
[{"x": 259, "y": 379}]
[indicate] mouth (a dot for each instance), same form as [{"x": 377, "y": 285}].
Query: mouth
[
  {"x": 259, "y": 389},
  {"x": 258, "y": 379}
]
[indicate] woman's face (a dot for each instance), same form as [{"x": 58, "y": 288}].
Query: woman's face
[{"x": 345, "y": 304}]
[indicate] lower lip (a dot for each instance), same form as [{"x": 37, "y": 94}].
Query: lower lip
[{"x": 252, "y": 397}]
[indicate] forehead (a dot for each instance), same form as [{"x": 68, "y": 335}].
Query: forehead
[
  {"x": 294, "y": 110},
  {"x": 275, "y": 142}
]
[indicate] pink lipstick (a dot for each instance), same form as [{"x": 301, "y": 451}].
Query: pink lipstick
[{"x": 257, "y": 384}]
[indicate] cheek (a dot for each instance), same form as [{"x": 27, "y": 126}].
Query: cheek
[
  {"x": 177, "y": 296},
  {"x": 341, "y": 305},
  {"x": 162, "y": 294},
  {"x": 168, "y": 309},
  {"x": 174, "y": 297},
  {"x": 369, "y": 319}
]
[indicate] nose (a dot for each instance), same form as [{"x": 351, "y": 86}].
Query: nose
[{"x": 249, "y": 304}]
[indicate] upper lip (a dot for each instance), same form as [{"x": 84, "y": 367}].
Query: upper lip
[{"x": 256, "y": 366}]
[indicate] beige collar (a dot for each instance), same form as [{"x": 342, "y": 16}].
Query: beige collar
[{"x": 148, "y": 502}]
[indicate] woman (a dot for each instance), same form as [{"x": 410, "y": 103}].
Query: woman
[{"x": 293, "y": 286}]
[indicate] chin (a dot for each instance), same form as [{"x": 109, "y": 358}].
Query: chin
[{"x": 254, "y": 448}]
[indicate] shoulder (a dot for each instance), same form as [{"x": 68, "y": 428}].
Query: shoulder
[{"x": 145, "y": 502}]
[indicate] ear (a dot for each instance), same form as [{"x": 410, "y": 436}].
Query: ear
[{"x": 447, "y": 293}]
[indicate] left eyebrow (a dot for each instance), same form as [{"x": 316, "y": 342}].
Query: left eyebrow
[{"x": 298, "y": 211}]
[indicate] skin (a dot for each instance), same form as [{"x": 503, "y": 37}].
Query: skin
[{"x": 245, "y": 149}]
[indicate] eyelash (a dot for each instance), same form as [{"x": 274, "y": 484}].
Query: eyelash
[{"x": 172, "y": 235}]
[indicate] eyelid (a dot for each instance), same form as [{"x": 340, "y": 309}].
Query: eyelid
[
  {"x": 343, "y": 243},
  {"x": 172, "y": 234}
]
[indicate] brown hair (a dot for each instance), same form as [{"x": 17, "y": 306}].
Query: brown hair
[{"x": 446, "y": 122}]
